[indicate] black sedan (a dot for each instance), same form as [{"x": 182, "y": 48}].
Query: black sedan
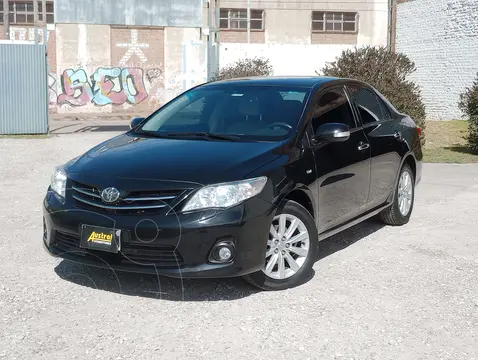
[{"x": 237, "y": 178}]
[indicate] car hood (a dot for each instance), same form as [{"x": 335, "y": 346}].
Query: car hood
[{"x": 188, "y": 160}]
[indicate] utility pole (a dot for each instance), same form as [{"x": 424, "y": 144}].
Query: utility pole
[
  {"x": 6, "y": 24},
  {"x": 392, "y": 25},
  {"x": 212, "y": 38},
  {"x": 35, "y": 20},
  {"x": 248, "y": 21}
]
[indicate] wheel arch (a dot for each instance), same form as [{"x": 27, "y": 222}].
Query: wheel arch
[
  {"x": 303, "y": 196},
  {"x": 410, "y": 160}
]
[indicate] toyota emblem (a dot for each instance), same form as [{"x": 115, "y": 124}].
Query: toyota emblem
[{"x": 110, "y": 195}]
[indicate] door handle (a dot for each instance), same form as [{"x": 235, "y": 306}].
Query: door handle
[{"x": 363, "y": 146}]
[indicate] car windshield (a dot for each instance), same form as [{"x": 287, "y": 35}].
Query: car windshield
[{"x": 232, "y": 111}]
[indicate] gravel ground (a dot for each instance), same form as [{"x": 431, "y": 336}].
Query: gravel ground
[{"x": 377, "y": 293}]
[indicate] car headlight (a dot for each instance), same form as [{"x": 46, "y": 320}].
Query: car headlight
[
  {"x": 226, "y": 194},
  {"x": 58, "y": 182}
]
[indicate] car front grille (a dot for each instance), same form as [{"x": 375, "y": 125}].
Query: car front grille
[
  {"x": 133, "y": 253},
  {"x": 134, "y": 202}
]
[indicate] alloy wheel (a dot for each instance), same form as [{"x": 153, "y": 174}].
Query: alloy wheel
[
  {"x": 405, "y": 193},
  {"x": 287, "y": 247}
]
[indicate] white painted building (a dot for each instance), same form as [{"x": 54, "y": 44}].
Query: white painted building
[
  {"x": 300, "y": 36},
  {"x": 441, "y": 37}
]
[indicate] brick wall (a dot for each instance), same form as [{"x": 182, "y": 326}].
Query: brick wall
[
  {"x": 324, "y": 38},
  {"x": 149, "y": 60},
  {"x": 240, "y": 36},
  {"x": 440, "y": 36}
]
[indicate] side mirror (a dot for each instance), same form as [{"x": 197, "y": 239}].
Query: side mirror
[
  {"x": 135, "y": 122},
  {"x": 332, "y": 132}
]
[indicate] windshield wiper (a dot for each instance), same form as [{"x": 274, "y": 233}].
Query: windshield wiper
[
  {"x": 151, "y": 133},
  {"x": 204, "y": 134},
  {"x": 164, "y": 134}
]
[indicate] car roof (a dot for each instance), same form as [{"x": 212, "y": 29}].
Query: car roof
[{"x": 305, "y": 81}]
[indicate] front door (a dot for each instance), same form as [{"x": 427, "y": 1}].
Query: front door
[{"x": 343, "y": 168}]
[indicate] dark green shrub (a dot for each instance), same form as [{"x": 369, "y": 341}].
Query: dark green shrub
[
  {"x": 469, "y": 106},
  {"x": 244, "y": 68},
  {"x": 387, "y": 72}
]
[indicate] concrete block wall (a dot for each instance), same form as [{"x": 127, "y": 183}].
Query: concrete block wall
[{"x": 441, "y": 37}]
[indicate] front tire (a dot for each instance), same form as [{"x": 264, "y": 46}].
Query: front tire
[
  {"x": 401, "y": 209},
  {"x": 291, "y": 249}
]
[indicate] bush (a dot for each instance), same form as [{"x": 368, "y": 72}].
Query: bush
[
  {"x": 469, "y": 106},
  {"x": 245, "y": 68},
  {"x": 387, "y": 72}
]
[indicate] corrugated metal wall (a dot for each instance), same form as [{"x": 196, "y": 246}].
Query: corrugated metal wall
[
  {"x": 181, "y": 13},
  {"x": 23, "y": 89}
]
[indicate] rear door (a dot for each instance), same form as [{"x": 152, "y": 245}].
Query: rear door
[
  {"x": 343, "y": 168},
  {"x": 384, "y": 138}
]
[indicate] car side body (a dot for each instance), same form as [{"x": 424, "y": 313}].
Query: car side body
[{"x": 363, "y": 171}]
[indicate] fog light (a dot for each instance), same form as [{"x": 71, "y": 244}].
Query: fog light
[{"x": 222, "y": 252}]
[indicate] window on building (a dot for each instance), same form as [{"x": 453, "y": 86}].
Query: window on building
[
  {"x": 326, "y": 21},
  {"x": 21, "y": 12},
  {"x": 236, "y": 19}
]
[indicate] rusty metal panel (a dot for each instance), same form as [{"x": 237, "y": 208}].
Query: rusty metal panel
[
  {"x": 168, "y": 13},
  {"x": 23, "y": 89}
]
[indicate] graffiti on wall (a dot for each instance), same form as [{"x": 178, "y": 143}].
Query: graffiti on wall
[
  {"x": 52, "y": 88},
  {"x": 148, "y": 85},
  {"x": 134, "y": 48},
  {"x": 104, "y": 86}
]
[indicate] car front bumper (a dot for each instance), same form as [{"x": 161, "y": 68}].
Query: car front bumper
[{"x": 171, "y": 245}]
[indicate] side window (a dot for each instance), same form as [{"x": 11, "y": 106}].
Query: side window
[
  {"x": 333, "y": 107},
  {"x": 371, "y": 110},
  {"x": 385, "y": 109}
]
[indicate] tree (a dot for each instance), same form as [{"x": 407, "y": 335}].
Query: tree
[
  {"x": 245, "y": 68},
  {"x": 469, "y": 106},
  {"x": 387, "y": 72}
]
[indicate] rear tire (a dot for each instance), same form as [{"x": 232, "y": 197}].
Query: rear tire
[
  {"x": 291, "y": 249},
  {"x": 401, "y": 209}
]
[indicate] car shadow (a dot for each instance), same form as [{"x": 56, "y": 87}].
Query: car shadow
[
  {"x": 172, "y": 289},
  {"x": 154, "y": 286},
  {"x": 348, "y": 237}
]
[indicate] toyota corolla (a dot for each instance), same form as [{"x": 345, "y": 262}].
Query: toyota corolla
[{"x": 237, "y": 178}]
